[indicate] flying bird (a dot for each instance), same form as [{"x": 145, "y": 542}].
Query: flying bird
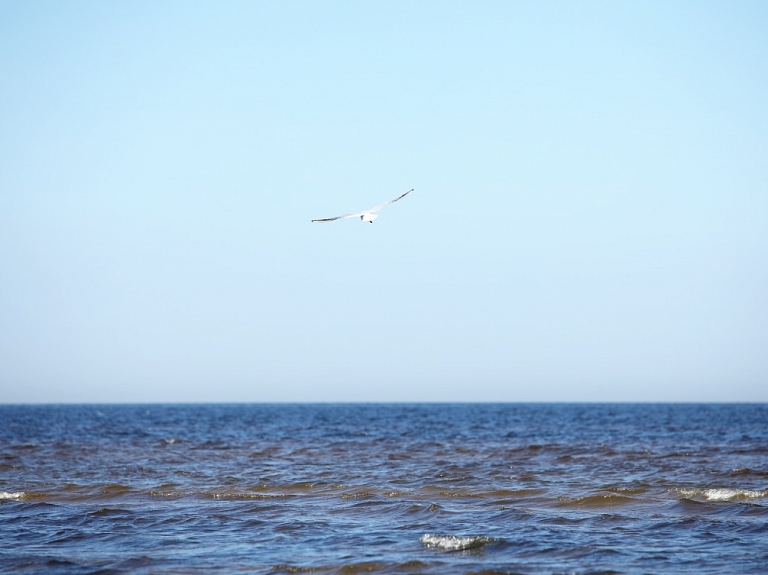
[{"x": 366, "y": 215}]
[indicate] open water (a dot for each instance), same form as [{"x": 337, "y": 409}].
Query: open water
[{"x": 349, "y": 489}]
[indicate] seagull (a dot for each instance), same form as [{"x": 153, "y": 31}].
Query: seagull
[{"x": 367, "y": 215}]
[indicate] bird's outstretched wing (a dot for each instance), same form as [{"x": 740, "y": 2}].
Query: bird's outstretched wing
[
  {"x": 377, "y": 208},
  {"x": 322, "y": 220}
]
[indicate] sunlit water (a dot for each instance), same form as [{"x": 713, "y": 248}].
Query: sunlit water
[{"x": 532, "y": 489}]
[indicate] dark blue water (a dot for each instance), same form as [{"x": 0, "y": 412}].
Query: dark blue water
[{"x": 476, "y": 488}]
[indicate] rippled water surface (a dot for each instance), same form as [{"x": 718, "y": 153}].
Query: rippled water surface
[{"x": 532, "y": 489}]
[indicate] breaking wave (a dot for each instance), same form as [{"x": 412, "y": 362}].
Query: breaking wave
[
  {"x": 8, "y": 495},
  {"x": 454, "y": 542},
  {"x": 723, "y": 494}
]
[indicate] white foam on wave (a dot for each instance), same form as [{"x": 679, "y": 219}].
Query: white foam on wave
[
  {"x": 454, "y": 542},
  {"x": 728, "y": 494},
  {"x": 7, "y": 495},
  {"x": 723, "y": 494}
]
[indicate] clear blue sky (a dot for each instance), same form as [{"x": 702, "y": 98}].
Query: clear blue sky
[{"x": 589, "y": 221}]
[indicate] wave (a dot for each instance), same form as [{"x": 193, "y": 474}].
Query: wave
[
  {"x": 748, "y": 471},
  {"x": 723, "y": 494},
  {"x": 597, "y": 501},
  {"x": 454, "y": 542},
  {"x": 235, "y": 496},
  {"x": 17, "y": 495},
  {"x": 417, "y": 499}
]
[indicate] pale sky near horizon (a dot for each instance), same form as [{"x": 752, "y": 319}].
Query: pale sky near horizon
[{"x": 589, "y": 220}]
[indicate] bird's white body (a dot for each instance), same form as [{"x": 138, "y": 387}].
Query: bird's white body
[{"x": 367, "y": 215}]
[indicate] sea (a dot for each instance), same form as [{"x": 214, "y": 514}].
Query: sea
[{"x": 373, "y": 488}]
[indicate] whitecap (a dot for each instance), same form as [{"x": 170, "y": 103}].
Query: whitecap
[
  {"x": 7, "y": 495},
  {"x": 454, "y": 542},
  {"x": 729, "y": 494},
  {"x": 723, "y": 494}
]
